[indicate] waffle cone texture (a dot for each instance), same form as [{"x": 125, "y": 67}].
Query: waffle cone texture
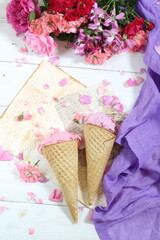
[
  {"x": 63, "y": 159},
  {"x": 99, "y": 143}
]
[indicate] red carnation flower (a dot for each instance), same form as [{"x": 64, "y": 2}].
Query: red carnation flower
[
  {"x": 149, "y": 26},
  {"x": 84, "y": 7},
  {"x": 72, "y": 15},
  {"x": 61, "y": 5},
  {"x": 132, "y": 28}
]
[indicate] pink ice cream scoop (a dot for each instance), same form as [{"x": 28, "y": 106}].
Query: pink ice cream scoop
[
  {"x": 57, "y": 137},
  {"x": 102, "y": 120}
]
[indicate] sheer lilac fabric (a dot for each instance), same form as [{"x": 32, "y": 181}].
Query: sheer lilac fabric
[{"x": 132, "y": 185}]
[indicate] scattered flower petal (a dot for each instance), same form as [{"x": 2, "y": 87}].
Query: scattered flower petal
[
  {"x": 158, "y": 3},
  {"x": 85, "y": 99},
  {"x": 37, "y": 134},
  {"x": 110, "y": 100},
  {"x": 55, "y": 99},
  {"x": 139, "y": 80},
  {"x": 23, "y": 50},
  {"x": 80, "y": 209},
  {"x": 63, "y": 82},
  {"x": 24, "y": 116},
  {"x": 20, "y": 156},
  {"x": 27, "y": 102},
  {"x": 43, "y": 180},
  {"x": 142, "y": 70},
  {"x": 157, "y": 49},
  {"x": 56, "y": 196},
  {"x": 2, "y": 198},
  {"x": 101, "y": 90},
  {"x": 90, "y": 215},
  {"x": 5, "y": 155},
  {"x": 46, "y": 86},
  {"x": 2, "y": 209},
  {"x": 31, "y": 230},
  {"x": 31, "y": 195},
  {"x": 19, "y": 65},
  {"x": 122, "y": 73},
  {"x": 41, "y": 110},
  {"x": 105, "y": 83},
  {"x": 119, "y": 107},
  {"x": 39, "y": 201},
  {"x": 24, "y": 60},
  {"x": 54, "y": 60},
  {"x": 66, "y": 104},
  {"x": 37, "y": 125}
]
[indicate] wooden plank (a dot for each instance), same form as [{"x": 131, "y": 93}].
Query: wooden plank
[
  {"x": 49, "y": 222},
  {"x": 11, "y": 81}
]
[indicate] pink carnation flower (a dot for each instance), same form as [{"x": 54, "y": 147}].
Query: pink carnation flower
[
  {"x": 28, "y": 173},
  {"x": 18, "y": 12},
  {"x": 96, "y": 58},
  {"x": 41, "y": 45}
]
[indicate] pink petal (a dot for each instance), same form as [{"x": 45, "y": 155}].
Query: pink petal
[
  {"x": 107, "y": 100},
  {"x": 31, "y": 195},
  {"x": 122, "y": 73},
  {"x": 85, "y": 99},
  {"x": 54, "y": 60},
  {"x": 27, "y": 102},
  {"x": 43, "y": 180},
  {"x": 63, "y": 82},
  {"x": 119, "y": 107},
  {"x": 37, "y": 125},
  {"x": 46, "y": 86},
  {"x": 139, "y": 80},
  {"x": 66, "y": 104},
  {"x": 23, "y": 50},
  {"x": 27, "y": 115},
  {"x": 80, "y": 209},
  {"x": 120, "y": 16},
  {"x": 19, "y": 65},
  {"x": 56, "y": 196},
  {"x": 5, "y": 155},
  {"x": 39, "y": 201},
  {"x": 101, "y": 90},
  {"x": 105, "y": 83},
  {"x": 157, "y": 49},
  {"x": 41, "y": 110},
  {"x": 158, "y": 3},
  {"x": 90, "y": 215},
  {"x": 24, "y": 60},
  {"x": 2, "y": 209},
  {"x": 142, "y": 70},
  {"x": 55, "y": 99},
  {"x": 2, "y": 198},
  {"x": 31, "y": 230},
  {"x": 130, "y": 82},
  {"x": 37, "y": 134},
  {"x": 20, "y": 156}
]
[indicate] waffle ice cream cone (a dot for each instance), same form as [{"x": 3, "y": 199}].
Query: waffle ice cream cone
[
  {"x": 99, "y": 143},
  {"x": 63, "y": 159}
]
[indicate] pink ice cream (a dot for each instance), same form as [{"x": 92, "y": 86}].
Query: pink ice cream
[
  {"x": 100, "y": 119},
  {"x": 57, "y": 137}
]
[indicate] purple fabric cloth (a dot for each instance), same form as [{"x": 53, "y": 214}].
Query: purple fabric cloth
[{"x": 132, "y": 185}]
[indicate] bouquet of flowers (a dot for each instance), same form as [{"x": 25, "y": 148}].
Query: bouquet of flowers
[{"x": 97, "y": 29}]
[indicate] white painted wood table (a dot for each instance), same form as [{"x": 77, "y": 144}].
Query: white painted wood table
[{"x": 50, "y": 220}]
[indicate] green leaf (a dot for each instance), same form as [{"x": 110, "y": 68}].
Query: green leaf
[
  {"x": 45, "y": 3},
  {"x": 32, "y": 16}
]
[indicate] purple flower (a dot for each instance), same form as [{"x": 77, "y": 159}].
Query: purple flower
[{"x": 18, "y": 12}]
